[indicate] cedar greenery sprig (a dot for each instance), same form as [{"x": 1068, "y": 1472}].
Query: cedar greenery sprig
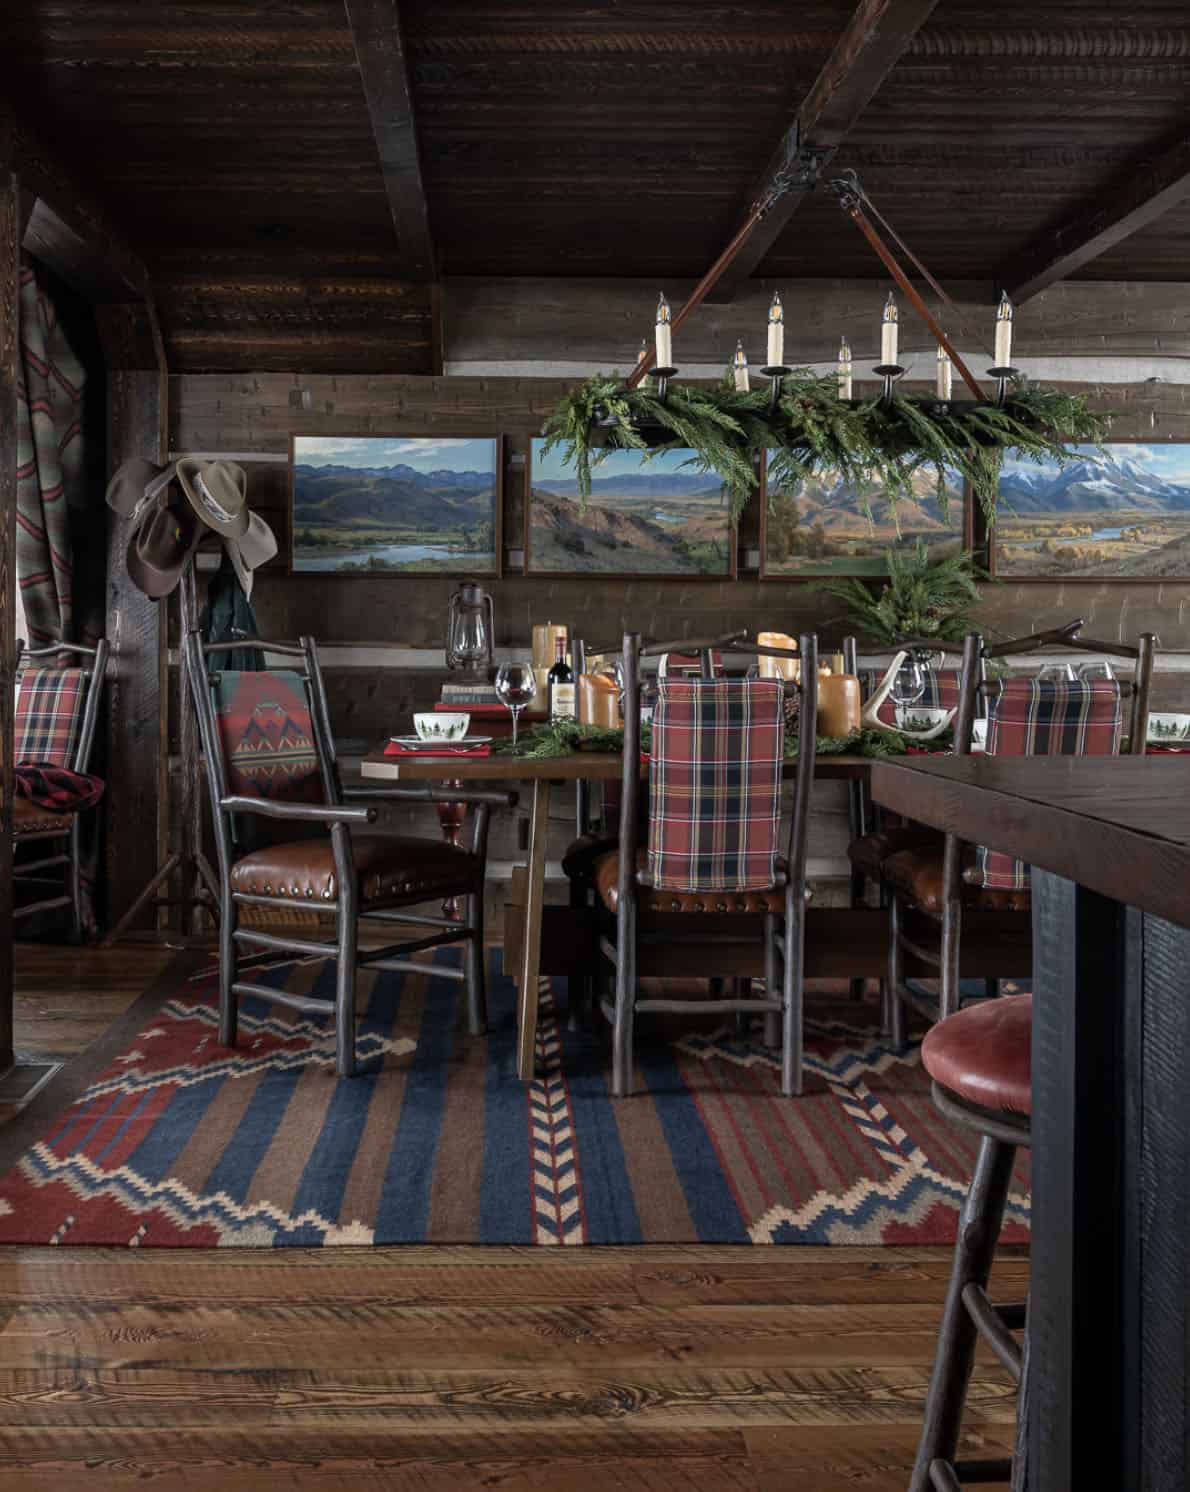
[
  {"x": 563, "y": 737},
  {"x": 872, "y": 446},
  {"x": 924, "y": 597}
]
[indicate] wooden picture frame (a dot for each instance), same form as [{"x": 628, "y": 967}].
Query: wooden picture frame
[
  {"x": 485, "y": 569},
  {"x": 1165, "y": 521},
  {"x": 967, "y": 530},
  {"x": 656, "y": 466}
]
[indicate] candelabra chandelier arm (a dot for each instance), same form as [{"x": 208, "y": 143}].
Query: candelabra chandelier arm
[{"x": 855, "y": 203}]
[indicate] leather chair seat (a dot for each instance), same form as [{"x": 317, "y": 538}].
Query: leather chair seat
[
  {"x": 389, "y": 871},
  {"x": 578, "y": 863},
  {"x": 869, "y": 852},
  {"x": 31, "y": 818},
  {"x": 982, "y": 1054},
  {"x": 655, "y": 899},
  {"x": 917, "y": 874}
]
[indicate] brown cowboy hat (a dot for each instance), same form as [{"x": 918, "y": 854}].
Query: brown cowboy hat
[
  {"x": 162, "y": 544},
  {"x": 126, "y": 492}
]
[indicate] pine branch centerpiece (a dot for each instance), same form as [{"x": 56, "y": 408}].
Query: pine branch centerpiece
[{"x": 878, "y": 441}]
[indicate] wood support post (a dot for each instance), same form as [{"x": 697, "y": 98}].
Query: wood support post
[{"x": 9, "y": 373}]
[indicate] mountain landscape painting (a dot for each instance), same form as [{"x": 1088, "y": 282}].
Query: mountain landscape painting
[
  {"x": 828, "y": 527},
  {"x": 396, "y": 505},
  {"x": 1120, "y": 511},
  {"x": 647, "y": 515}
]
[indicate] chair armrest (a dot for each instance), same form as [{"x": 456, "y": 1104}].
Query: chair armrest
[
  {"x": 493, "y": 797},
  {"x": 306, "y": 813}
]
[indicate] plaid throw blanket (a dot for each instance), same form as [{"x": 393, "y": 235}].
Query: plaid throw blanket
[
  {"x": 718, "y": 746},
  {"x": 57, "y": 789}
]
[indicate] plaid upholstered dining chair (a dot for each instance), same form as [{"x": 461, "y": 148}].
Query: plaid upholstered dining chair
[
  {"x": 951, "y": 885},
  {"x": 56, "y": 712},
  {"x": 711, "y": 868},
  {"x": 270, "y": 753}
]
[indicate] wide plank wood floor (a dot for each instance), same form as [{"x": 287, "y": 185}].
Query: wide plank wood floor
[{"x": 657, "y": 1368}]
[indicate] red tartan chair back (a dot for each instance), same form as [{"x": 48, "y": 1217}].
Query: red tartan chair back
[
  {"x": 718, "y": 746},
  {"x": 49, "y": 714},
  {"x": 267, "y": 735},
  {"x": 1046, "y": 717}
]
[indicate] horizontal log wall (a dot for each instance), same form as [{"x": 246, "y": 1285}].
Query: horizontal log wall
[{"x": 257, "y": 412}]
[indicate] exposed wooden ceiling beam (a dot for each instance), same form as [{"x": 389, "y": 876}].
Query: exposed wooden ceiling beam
[
  {"x": 871, "y": 44},
  {"x": 1149, "y": 189},
  {"x": 383, "y": 64}
]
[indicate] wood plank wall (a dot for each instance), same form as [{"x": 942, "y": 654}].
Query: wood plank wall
[{"x": 259, "y": 411}]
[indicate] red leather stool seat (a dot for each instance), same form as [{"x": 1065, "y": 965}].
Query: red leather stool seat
[{"x": 982, "y": 1054}]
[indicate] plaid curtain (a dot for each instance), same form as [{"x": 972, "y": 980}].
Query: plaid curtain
[
  {"x": 49, "y": 465},
  {"x": 718, "y": 746},
  {"x": 1046, "y": 717}
]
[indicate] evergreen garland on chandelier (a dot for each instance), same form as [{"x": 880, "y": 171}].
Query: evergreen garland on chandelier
[{"x": 873, "y": 444}]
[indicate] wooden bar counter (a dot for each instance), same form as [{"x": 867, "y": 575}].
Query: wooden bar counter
[{"x": 1109, "y": 1328}]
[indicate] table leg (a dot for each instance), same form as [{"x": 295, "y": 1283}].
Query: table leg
[
  {"x": 1108, "y": 1316},
  {"x": 531, "y": 952}
]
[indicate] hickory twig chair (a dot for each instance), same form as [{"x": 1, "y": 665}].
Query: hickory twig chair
[
  {"x": 268, "y": 736},
  {"x": 944, "y": 883},
  {"x": 57, "y": 709},
  {"x": 714, "y": 819}
]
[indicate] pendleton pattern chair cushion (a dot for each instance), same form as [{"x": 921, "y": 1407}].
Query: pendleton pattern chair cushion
[
  {"x": 718, "y": 746},
  {"x": 267, "y": 735},
  {"x": 1046, "y": 717},
  {"x": 941, "y": 693},
  {"x": 49, "y": 712}
]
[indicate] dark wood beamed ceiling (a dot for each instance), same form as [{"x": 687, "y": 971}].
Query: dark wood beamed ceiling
[
  {"x": 1149, "y": 189},
  {"x": 380, "y": 48},
  {"x": 866, "y": 52},
  {"x": 260, "y": 153}
]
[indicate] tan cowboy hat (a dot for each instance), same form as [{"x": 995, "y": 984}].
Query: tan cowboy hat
[
  {"x": 161, "y": 545},
  {"x": 218, "y": 492},
  {"x": 249, "y": 552}
]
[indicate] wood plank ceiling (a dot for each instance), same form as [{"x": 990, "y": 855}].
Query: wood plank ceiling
[{"x": 237, "y": 145}]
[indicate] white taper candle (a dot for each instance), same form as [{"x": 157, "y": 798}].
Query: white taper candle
[
  {"x": 844, "y": 369},
  {"x": 776, "y": 337},
  {"x": 1003, "y": 358},
  {"x": 943, "y": 374},
  {"x": 665, "y": 346},
  {"x": 888, "y": 332},
  {"x": 739, "y": 369}
]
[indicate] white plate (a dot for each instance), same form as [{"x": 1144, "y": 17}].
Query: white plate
[{"x": 461, "y": 745}]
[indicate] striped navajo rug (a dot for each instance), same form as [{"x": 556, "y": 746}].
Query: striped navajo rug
[{"x": 181, "y": 1143}]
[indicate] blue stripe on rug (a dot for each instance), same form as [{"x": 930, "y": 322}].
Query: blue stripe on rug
[
  {"x": 409, "y": 1177},
  {"x": 712, "y": 1205},
  {"x": 608, "y": 1203},
  {"x": 505, "y": 1208}
]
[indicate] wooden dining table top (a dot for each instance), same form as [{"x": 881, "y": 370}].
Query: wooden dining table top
[
  {"x": 1119, "y": 825},
  {"x": 586, "y": 766}
]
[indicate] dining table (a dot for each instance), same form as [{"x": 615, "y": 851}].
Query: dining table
[
  {"x": 542, "y": 774},
  {"x": 1108, "y": 842}
]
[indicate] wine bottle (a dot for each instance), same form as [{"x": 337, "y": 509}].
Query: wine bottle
[{"x": 561, "y": 685}]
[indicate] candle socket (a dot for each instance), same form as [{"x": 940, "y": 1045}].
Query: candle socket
[
  {"x": 1002, "y": 376},
  {"x": 775, "y": 372},
  {"x": 662, "y": 376},
  {"x": 890, "y": 372}
]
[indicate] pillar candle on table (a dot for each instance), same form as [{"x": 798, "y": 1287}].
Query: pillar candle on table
[
  {"x": 664, "y": 334},
  {"x": 1003, "y": 351},
  {"x": 888, "y": 332},
  {"x": 776, "y": 330},
  {"x": 598, "y": 700},
  {"x": 776, "y": 668}
]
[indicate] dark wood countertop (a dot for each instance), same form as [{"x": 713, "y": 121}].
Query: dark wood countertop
[{"x": 1118, "y": 825}]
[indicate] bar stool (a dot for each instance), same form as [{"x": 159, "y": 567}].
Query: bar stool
[{"x": 979, "y": 1061}]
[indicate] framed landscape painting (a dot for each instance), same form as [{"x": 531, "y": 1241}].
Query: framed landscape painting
[
  {"x": 1122, "y": 512},
  {"x": 395, "y": 504},
  {"x": 825, "y": 527},
  {"x": 656, "y": 516}
]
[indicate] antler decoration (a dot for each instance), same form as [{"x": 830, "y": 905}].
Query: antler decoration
[{"x": 870, "y": 719}]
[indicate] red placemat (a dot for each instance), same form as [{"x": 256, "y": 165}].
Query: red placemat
[{"x": 435, "y": 748}]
